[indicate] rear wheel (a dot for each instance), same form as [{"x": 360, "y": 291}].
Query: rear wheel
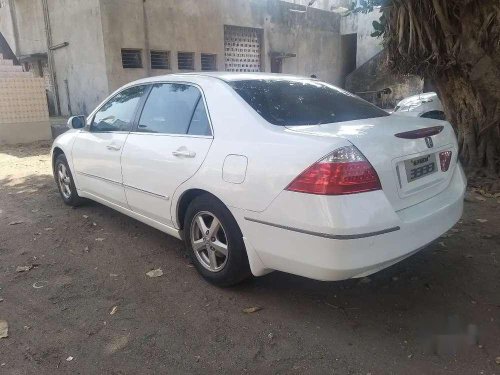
[
  {"x": 65, "y": 182},
  {"x": 214, "y": 242}
]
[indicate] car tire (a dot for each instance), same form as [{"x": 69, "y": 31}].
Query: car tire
[
  {"x": 219, "y": 253},
  {"x": 65, "y": 182}
]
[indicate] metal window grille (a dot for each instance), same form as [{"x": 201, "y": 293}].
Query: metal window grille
[
  {"x": 131, "y": 58},
  {"x": 208, "y": 61},
  {"x": 242, "y": 49},
  {"x": 185, "y": 60},
  {"x": 160, "y": 60}
]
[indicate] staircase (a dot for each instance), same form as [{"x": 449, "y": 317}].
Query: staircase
[
  {"x": 24, "y": 115},
  {"x": 8, "y": 69}
]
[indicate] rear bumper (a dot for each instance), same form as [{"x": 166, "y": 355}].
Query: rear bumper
[{"x": 345, "y": 237}]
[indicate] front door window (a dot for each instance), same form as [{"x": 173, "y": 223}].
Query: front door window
[{"x": 117, "y": 114}]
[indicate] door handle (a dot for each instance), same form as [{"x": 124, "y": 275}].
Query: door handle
[
  {"x": 184, "y": 154},
  {"x": 113, "y": 147}
]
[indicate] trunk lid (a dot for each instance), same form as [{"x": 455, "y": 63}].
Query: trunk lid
[{"x": 409, "y": 169}]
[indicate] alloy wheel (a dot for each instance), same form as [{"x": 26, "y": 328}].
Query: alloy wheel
[
  {"x": 64, "y": 180},
  {"x": 209, "y": 241}
]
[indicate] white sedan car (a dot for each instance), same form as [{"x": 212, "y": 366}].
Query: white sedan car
[
  {"x": 426, "y": 105},
  {"x": 262, "y": 172}
]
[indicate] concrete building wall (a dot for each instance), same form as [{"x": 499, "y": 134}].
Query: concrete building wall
[
  {"x": 80, "y": 66},
  {"x": 28, "y": 16},
  {"x": 328, "y": 5},
  {"x": 368, "y": 46},
  {"x": 361, "y": 25},
  {"x": 357, "y": 23},
  {"x": 198, "y": 26},
  {"x": 7, "y": 24},
  {"x": 313, "y": 36}
]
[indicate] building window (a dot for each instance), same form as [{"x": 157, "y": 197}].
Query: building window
[
  {"x": 160, "y": 60},
  {"x": 208, "y": 61},
  {"x": 185, "y": 60},
  {"x": 131, "y": 58}
]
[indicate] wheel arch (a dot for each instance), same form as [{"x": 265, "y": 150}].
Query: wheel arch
[
  {"x": 256, "y": 265},
  {"x": 185, "y": 199},
  {"x": 55, "y": 154}
]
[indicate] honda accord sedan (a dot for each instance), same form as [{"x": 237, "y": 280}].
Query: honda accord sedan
[{"x": 262, "y": 172}]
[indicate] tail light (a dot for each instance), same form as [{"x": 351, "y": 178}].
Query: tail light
[
  {"x": 344, "y": 171},
  {"x": 445, "y": 159}
]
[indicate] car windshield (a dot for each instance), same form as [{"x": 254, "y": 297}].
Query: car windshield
[{"x": 289, "y": 102}]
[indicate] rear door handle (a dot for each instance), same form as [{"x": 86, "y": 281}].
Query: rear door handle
[
  {"x": 184, "y": 153},
  {"x": 113, "y": 147}
]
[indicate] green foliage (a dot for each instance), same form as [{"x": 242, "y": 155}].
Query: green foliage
[{"x": 378, "y": 27}]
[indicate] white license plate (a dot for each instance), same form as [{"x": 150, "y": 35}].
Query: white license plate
[{"x": 420, "y": 167}]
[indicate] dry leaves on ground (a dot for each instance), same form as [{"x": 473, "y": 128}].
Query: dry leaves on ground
[
  {"x": 4, "y": 329},
  {"x": 24, "y": 268},
  {"x": 155, "y": 273},
  {"x": 250, "y": 310}
]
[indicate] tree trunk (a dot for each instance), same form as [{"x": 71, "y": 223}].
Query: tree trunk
[
  {"x": 470, "y": 91},
  {"x": 474, "y": 119}
]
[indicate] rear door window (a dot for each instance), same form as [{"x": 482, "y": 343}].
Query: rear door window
[
  {"x": 303, "y": 102},
  {"x": 199, "y": 123},
  {"x": 169, "y": 109}
]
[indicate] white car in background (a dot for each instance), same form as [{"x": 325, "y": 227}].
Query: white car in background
[
  {"x": 425, "y": 105},
  {"x": 262, "y": 172}
]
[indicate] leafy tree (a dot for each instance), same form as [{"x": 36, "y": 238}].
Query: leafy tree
[{"x": 456, "y": 45}]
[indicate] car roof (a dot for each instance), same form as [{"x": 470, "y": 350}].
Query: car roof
[
  {"x": 224, "y": 76},
  {"x": 240, "y": 76}
]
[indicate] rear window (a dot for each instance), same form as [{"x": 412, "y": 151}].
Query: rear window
[{"x": 303, "y": 102}]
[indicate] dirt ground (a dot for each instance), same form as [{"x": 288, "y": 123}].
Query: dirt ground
[{"x": 87, "y": 306}]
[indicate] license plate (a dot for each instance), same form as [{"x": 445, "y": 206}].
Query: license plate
[{"x": 420, "y": 167}]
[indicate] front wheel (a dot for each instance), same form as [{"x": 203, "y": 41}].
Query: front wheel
[
  {"x": 65, "y": 182},
  {"x": 215, "y": 242}
]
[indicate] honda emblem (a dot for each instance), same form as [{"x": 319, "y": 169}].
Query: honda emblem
[{"x": 428, "y": 142}]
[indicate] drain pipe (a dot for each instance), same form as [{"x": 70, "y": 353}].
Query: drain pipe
[
  {"x": 50, "y": 55},
  {"x": 146, "y": 39}
]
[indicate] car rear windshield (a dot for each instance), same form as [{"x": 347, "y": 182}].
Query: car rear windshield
[{"x": 303, "y": 102}]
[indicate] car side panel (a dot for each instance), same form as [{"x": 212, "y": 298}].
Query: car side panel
[{"x": 151, "y": 171}]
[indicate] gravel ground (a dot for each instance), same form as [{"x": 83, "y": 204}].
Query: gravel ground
[{"x": 87, "y": 307}]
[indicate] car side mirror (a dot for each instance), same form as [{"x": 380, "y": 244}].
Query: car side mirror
[{"x": 76, "y": 122}]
